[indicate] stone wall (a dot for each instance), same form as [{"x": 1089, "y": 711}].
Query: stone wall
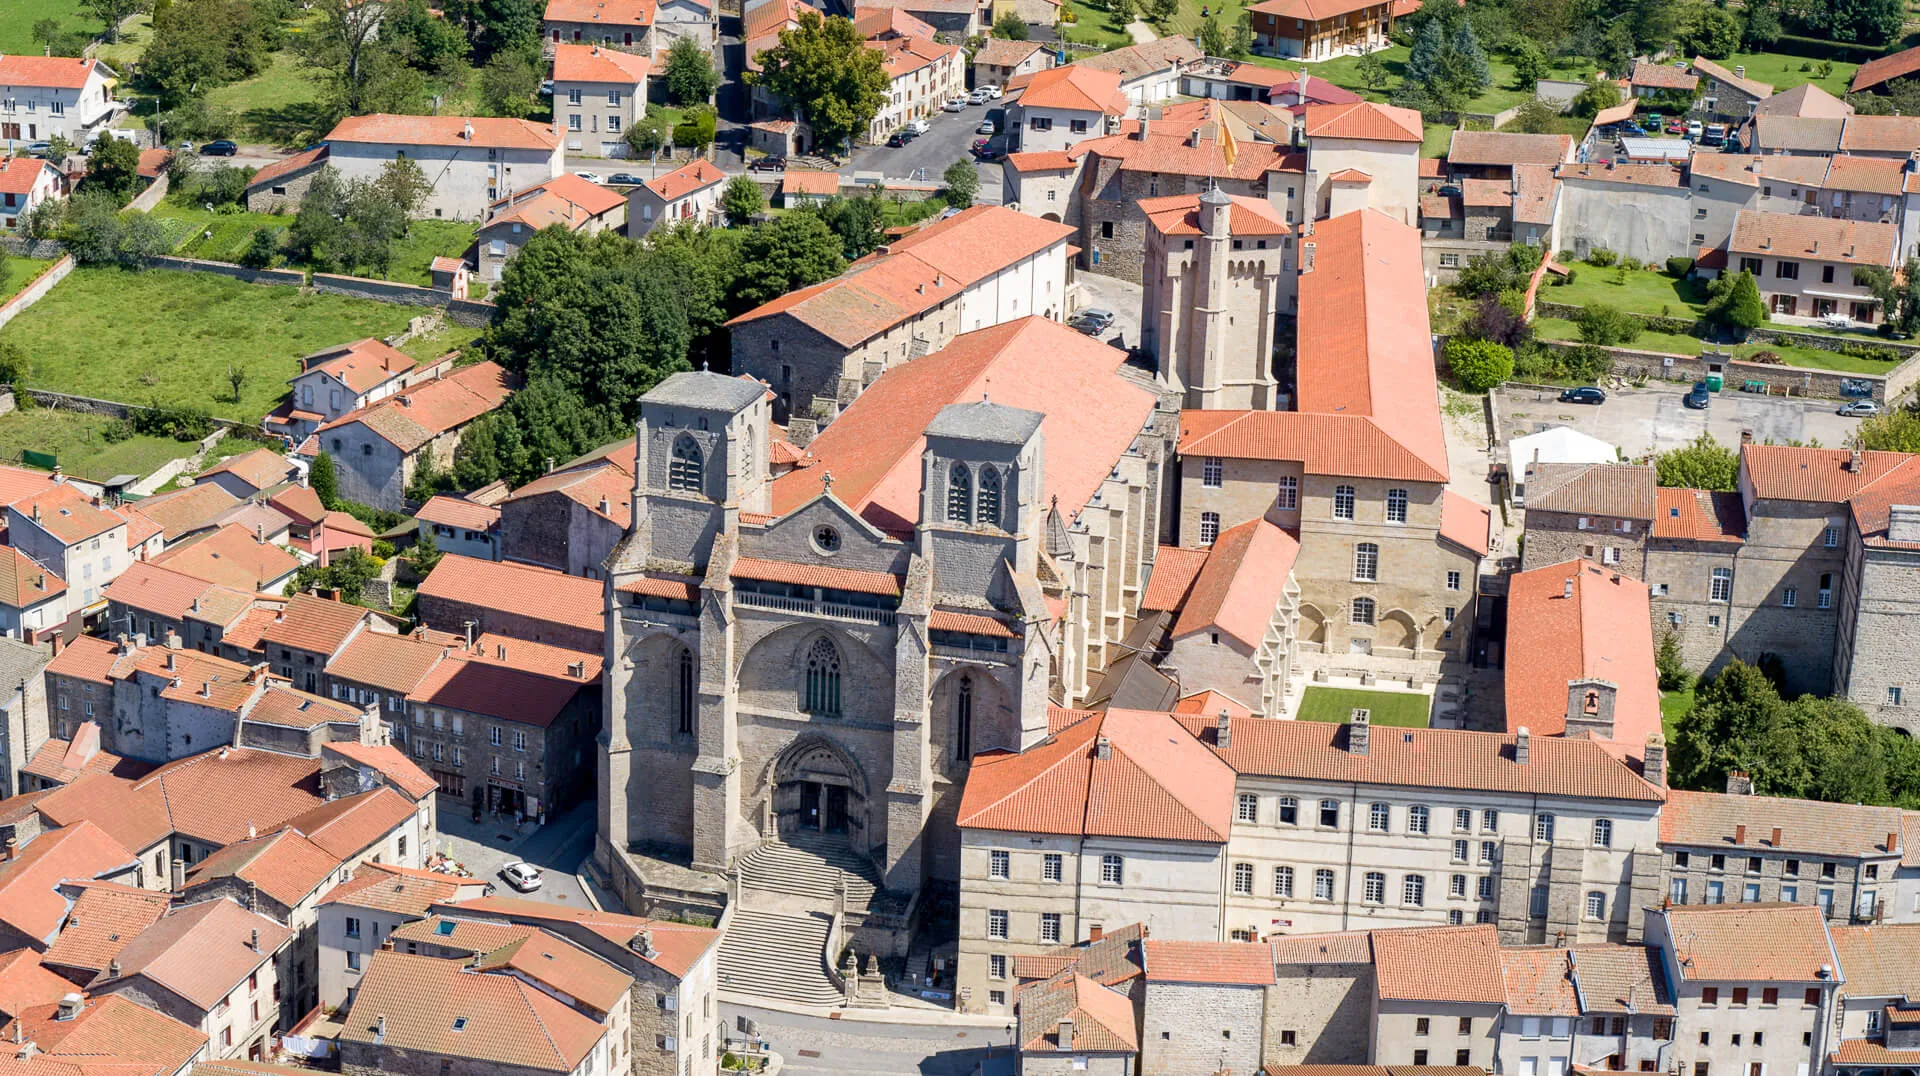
[
  {"x": 1780, "y": 380},
  {"x": 1186, "y": 1021},
  {"x": 32, "y": 248},
  {"x": 36, "y": 288},
  {"x": 1327, "y": 1008},
  {"x": 287, "y": 277},
  {"x": 469, "y": 312},
  {"x": 147, "y": 199}
]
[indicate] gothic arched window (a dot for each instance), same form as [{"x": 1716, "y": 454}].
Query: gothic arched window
[
  {"x": 963, "y": 720},
  {"x": 959, "y": 494},
  {"x": 683, "y": 471},
  {"x": 684, "y": 693},
  {"x": 823, "y": 679},
  {"x": 987, "y": 508}
]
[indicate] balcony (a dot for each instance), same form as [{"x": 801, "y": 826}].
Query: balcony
[{"x": 811, "y": 607}]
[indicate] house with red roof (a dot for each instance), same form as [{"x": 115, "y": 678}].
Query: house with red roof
[
  {"x": 923, "y": 73},
  {"x": 567, "y": 200},
  {"x": 1586, "y": 663},
  {"x": 377, "y": 448},
  {"x": 282, "y": 184},
  {"x": 598, "y": 93},
  {"x": 1363, "y": 155},
  {"x": 461, "y": 526},
  {"x": 690, "y": 193},
  {"x": 1060, "y": 106},
  {"x": 216, "y": 967},
  {"x": 78, "y": 539},
  {"x": 568, "y": 519},
  {"x": 51, "y": 97},
  {"x": 470, "y": 161},
  {"x": 343, "y": 378},
  {"x": 25, "y": 182}
]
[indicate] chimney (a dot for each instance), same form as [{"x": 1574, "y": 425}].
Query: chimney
[
  {"x": 1096, "y": 932},
  {"x": 1102, "y": 748},
  {"x": 1893, "y": 841},
  {"x": 1223, "y": 731},
  {"x": 380, "y": 1030},
  {"x": 1359, "y": 730},
  {"x": 606, "y": 507},
  {"x": 642, "y": 943},
  {"x": 253, "y": 940},
  {"x": 1566, "y": 589},
  {"x": 1522, "y": 741},
  {"x": 1855, "y": 462},
  {"x": 1654, "y": 761},
  {"x": 469, "y": 625},
  {"x": 1739, "y": 783},
  {"x": 113, "y": 969},
  {"x": 577, "y": 669},
  {"x": 466, "y": 132},
  {"x": 1740, "y": 70},
  {"x": 70, "y": 1006},
  {"x": 1063, "y": 1038},
  {"x": 169, "y": 665},
  {"x": 179, "y": 874},
  {"x": 206, "y": 689},
  {"x": 1140, "y": 136},
  {"x": 1740, "y": 834},
  {"x": 193, "y": 605},
  {"x": 1775, "y": 842},
  {"x": 1306, "y": 258},
  {"x": 500, "y": 651}
]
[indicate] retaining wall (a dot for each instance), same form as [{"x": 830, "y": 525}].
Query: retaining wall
[
  {"x": 32, "y": 248},
  {"x": 1780, "y": 380},
  {"x": 147, "y": 199},
  {"x": 469, "y": 312},
  {"x": 286, "y": 277},
  {"x": 37, "y": 287}
]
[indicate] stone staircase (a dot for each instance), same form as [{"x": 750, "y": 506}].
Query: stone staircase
[
  {"x": 770, "y": 955},
  {"x": 810, "y": 870}
]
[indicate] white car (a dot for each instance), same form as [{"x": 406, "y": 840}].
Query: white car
[
  {"x": 522, "y": 876},
  {"x": 1693, "y": 130},
  {"x": 919, "y": 127},
  {"x": 954, "y": 104},
  {"x": 1860, "y": 409},
  {"x": 592, "y": 177},
  {"x": 979, "y": 97},
  {"x": 992, "y": 91}
]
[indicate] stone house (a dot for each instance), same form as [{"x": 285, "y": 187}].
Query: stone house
[
  {"x": 281, "y": 185},
  {"x": 1319, "y": 1010},
  {"x": 24, "y": 727},
  {"x": 1805, "y": 265},
  {"x": 999, "y": 60},
  {"x": 1495, "y": 154},
  {"x": 1069, "y": 1024},
  {"x": 675, "y": 19},
  {"x": 1695, "y": 539},
  {"x": 334, "y": 381},
  {"x": 567, "y": 201},
  {"x": 1720, "y": 185},
  {"x": 569, "y": 520},
  {"x": 1602, "y": 512},
  {"x": 1877, "y": 597},
  {"x": 1204, "y": 999},
  {"x": 50, "y": 97},
  {"x": 1232, "y": 629},
  {"x": 377, "y": 448},
  {"x": 817, "y": 348},
  {"x": 250, "y": 472},
  {"x": 470, "y": 161},
  {"x": 214, "y": 966},
  {"x": 516, "y": 600},
  {"x": 690, "y": 193},
  {"x": 1736, "y": 847},
  {"x": 626, "y": 25},
  {"x": 356, "y": 918},
  {"x": 1726, "y": 96},
  {"x": 1039, "y": 184},
  {"x": 1654, "y": 79},
  {"x": 160, "y": 602},
  {"x": 1320, "y": 29},
  {"x": 1061, "y": 106},
  {"x": 597, "y": 95},
  {"x": 25, "y": 182}
]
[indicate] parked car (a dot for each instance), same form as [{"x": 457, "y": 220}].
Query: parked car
[
  {"x": 899, "y": 138},
  {"x": 1636, "y": 130},
  {"x": 625, "y": 179},
  {"x": 986, "y": 127},
  {"x": 918, "y": 127},
  {"x": 1678, "y": 127},
  {"x": 38, "y": 149},
  {"x": 1860, "y": 409},
  {"x": 522, "y": 876},
  {"x": 221, "y": 148},
  {"x": 979, "y": 97},
  {"x": 1698, "y": 397},
  {"x": 591, "y": 177},
  {"x": 1093, "y": 321},
  {"x": 993, "y": 92},
  {"x": 1585, "y": 394},
  {"x": 1716, "y": 135},
  {"x": 954, "y": 104},
  {"x": 1694, "y": 130},
  {"x": 772, "y": 162}
]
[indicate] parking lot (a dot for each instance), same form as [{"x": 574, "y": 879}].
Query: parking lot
[
  {"x": 949, "y": 139},
  {"x": 1650, "y": 420}
]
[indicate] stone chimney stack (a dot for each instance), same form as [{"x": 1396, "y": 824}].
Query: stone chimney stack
[
  {"x": 1522, "y": 742},
  {"x": 179, "y": 876},
  {"x": 1064, "y": 1035},
  {"x": 1739, "y": 783},
  {"x": 1223, "y": 732},
  {"x": 1775, "y": 842},
  {"x": 1359, "y": 730},
  {"x": 1102, "y": 748},
  {"x": 1654, "y": 764}
]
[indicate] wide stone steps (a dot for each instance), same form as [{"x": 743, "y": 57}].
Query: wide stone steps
[
  {"x": 809, "y": 871},
  {"x": 769, "y": 955}
]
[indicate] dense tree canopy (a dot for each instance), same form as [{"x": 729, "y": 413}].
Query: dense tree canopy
[{"x": 826, "y": 69}]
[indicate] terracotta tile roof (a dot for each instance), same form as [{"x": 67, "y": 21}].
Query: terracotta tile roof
[
  {"x": 285, "y": 865},
  {"x": 1784, "y": 472},
  {"x": 391, "y": 663},
  {"x": 1363, "y": 120},
  {"x": 1075, "y": 88},
  {"x": 801, "y": 181},
  {"x": 1819, "y": 135},
  {"x": 566, "y": 200},
  {"x": 288, "y": 166},
  {"x": 1805, "y": 99},
  {"x": 170, "y": 592},
  {"x": 1619, "y": 113},
  {"x": 660, "y": 586},
  {"x": 19, "y": 174},
  {"x": 1002, "y": 52},
  {"x": 542, "y": 659},
  {"x": 1466, "y": 524},
  {"x": 811, "y": 575},
  {"x": 1881, "y": 134},
  {"x": 52, "y": 72},
  {"x": 1713, "y": 819},
  {"x": 1179, "y": 214},
  {"x": 1600, "y": 489},
  {"x": 245, "y": 632},
  {"x": 1210, "y": 703},
  {"x": 109, "y": 1033},
  {"x": 88, "y": 657},
  {"x": 1102, "y": 1019},
  {"x": 1482, "y": 193},
  {"x": 1868, "y": 1052},
  {"x": 1621, "y": 979},
  {"x": 1040, "y": 161},
  {"x": 482, "y": 685},
  {"x": 591, "y": 63},
  {"x": 349, "y": 826},
  {"x": 477, "y": 131},
  {"x": 677, "y": 946},
  {"x": 259, "y": 468},
  {"x": 24, "y": 583},
  {"x": 411, "y": 418},
  {"x": 765, "y": 17},
  {"x": 63, "y": 761},
  {"x": 602, "y": 486},
  {"x": 1603, "y": 630},
  {"x": 425, "y": 1005},
  {"x": 602, "y": 12},
  {"x": 1662, "y": 76},
  {"x": 104, "y": 919},
  {"x": 1750, "y": 87},
  {"x": 230, "y": 556},
  {"x": 1440, "y": 207},
  {"x": 390, "y": 761},
  {"x": 976, "y": 243},
  {"x": 1310, "y": 10},
  {"x": 411, "y": 893},
  {"x": 1211, "y": 962},
  {"x": 1749, "y": 942},
  {"x": 1349, "y": 947},
  {"x": 1878, "y": 72},
  {"x": 905, "y": 55},
  {"x": 82, "y": 850},
  {"x": 460, "y": 935},
  {"x": 24, "y": 984},
  {"x": 685, "y": 180},
  {"x": 971, "y": 623},
  {"x": 1328, "y": 444},
  {"x": 560, "y": 964},
  {"x": 1873, "y": 505},
  {"x": 1174, "y": 570},
  {"x": 1879, "y": 961},
  {"x": 1790, "y": 235},
  {"x": 1749, "y": 170},
  {"x": 211, "y": 797},
  {"x": 1636, "y": 175},
  {"x": 362, "y": 365},
  {"x": 1155, "y": 782},
  {"x": 1174, "y": 153},
  {"x": 281, "y": 704},
  {"x": 312, "y": 623},
  {"x": 1539, "y": 982},
  {"x": 1243, "y": 582},
  {"x": 873, "y": 22},
  {"x": 1427, "y": 758},
  {"x": 1505, "y": 149},
  {"x": 536, "y": 593},
  {"x": 299, "y": 503},
  {"x": 201, "y": 952},
  {"x": 1698, "y": 515},
  {"x": 874, "y": 447},
  {"x": 451, "y": 511},
  {"x": 187, "y": 510},
  {"x": 1873, "y": 175},
  {"x": 1136, "y": 61},
  {"x": 1535, "y": 194},
  {"x": 1113, "y": 959},
  {"x": 68, "y": 514},
  {"x": 1451, "y": 964}
]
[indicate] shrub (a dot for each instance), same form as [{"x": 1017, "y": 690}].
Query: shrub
[
  {"x": 1767, "y": 358},
  {"x": 1601, "y": 257},
  {"x": 1672, "y": 669},
  {"x": 116, "y": 431},
  {"x": 1478, "y": 365},
  {"x": 179, "y": 423},
  {"x": 1679, "y": 267},
  {"x": 1630, "y": 264},
  {"x": 1605, "y": 325}
]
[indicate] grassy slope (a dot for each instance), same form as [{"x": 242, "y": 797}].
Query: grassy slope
[
  {"x": 1385, "y": 707},
  {"x": 1680, "y": 344},
  {"x": 187, "y": 227},
  {"x": 78, "y": 441},
  {"x": 171, "y": 337},
  {"x": 18, "y": 16}
]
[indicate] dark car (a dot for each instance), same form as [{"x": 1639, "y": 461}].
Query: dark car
[
  {"x": 1698, "y": 397},
  {"x": 1092, "y": 321},
  {"x": 898, "y": 139},
  {"x": 1585, "y": 394},
  {"x": 624, "y": 179},
  {"x": 769, "y": 163},
  {"x": 222, "y": 148}
]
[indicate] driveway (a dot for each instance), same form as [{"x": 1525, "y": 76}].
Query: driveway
[
  {"x": 812, "y": 1045},
  {"x": 1644, "y": 421},
  {"x": 558, "y": 848}
]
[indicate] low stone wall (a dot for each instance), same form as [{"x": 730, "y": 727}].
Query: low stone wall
[
  {"x": 88, "y": 404},
  {"x": 147, "y": 199},
  {"x": 32, "y": 248},
  {"x": 1765, "y": 334},
  {"x": 1902, "y": 379},
  {"x": 469, "y": 312},
  {"x": 1825, "y": 343},
  {"x": 473, "y": 313},
  {"x": 37, "y": 287},
  {"x": 1780, "y": 380},
  {"x": 286, "y": 277}
]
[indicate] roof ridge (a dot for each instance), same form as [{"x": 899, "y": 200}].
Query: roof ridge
[{"x": 1067, "y": 756}]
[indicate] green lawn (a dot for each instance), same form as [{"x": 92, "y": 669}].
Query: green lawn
[
  {"x": 1336, "y": 704},
  {"x": 1641, "y": 291},
  {"x": 449, "y": 337},
  {"x": 79, "y": 441},
  {"x": 18, "y": 16},
  {"x": 1673, "y": 706},
  {"x": 134, "y": 35},
  {"x": 171, "y": 337},
  {"x": 1784, "y": 73},
  {"x": 20, "y": 273},
  {"x": 187, "y": 228},
  {"x": 1682, "y": 344},
  {"x": 1096, "y": 26}
]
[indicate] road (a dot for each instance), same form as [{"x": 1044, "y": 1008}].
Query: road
[
  {"x": 814, "y": 1045},
  {"x": 558, "y": 848},
  {"x": 1642, "y": 421},
  {"x": 951, "y": 139}
]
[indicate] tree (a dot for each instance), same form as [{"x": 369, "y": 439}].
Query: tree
[
  {"x": 1529, "y": 66},
  {"x": 423, "y": 38},
  {"x": 14, "y": 366},
  {"x": 1468, "y": 71},
  {"x": 6, "y": 269},
  {"x": 43, "y": 220},
  {"x": 825, "y": 67},
  {"x": 1009, "y": 26},
  {"x": 1599, "y": 94},
  {"x": 1478, "y": 365},
  {"x": 1429, "y": 51},
  {"x": 1734, "y": 302},
  {"x": 111, "y": 12},
  {"x": 1372, "y": 72},
  {"x": 326, "y": 484},
  {"x": 261, "y": 250},
  {"x": 425, "y": 555},
  {"x": 114, "y": 167},
  {"x": 1899, "y": 295},
  {"x": 200, "y": 44},
  {"x": 1240, "y": 41},
  {"x": 961, "y": 182},
  {"x": 1895, "y": 431},
  {"x": 428, "y": 479},
  {"x": 402, "y": 182},
  {"x": 236, "y": 379},
  {"x": 647, "y": 135},
  {"x": 859, "y": 222},
  {"x": 1495, "y": 318},
  {"x": 1762, "y": 27},
  {"x": 1670, "y": 664},
  {"x": 1534, "y": 116},
  {"x": 690, "y": 76},
  {"x": 1869, "y": 22},
  {"x": 744, "y": 200},
  {"x": 494, "y": 26},
  {"x": 359, "y": 69},
  {"x": 1702, "y": 463},
  {"x": 510, "y": 83},
  {"x": 348, "y": 572},
  {"x": 778, "y": 257},
  {"x": 1606, "y": 325},
  {"x": 1711, "y": 32},
  {"x": 141, "y": 237},
  {"x": 1212, "y": 39},
  {"x": 92, "y": 230}
]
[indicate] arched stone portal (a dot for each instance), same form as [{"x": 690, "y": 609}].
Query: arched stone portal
[{"x": 820, "y": 791}]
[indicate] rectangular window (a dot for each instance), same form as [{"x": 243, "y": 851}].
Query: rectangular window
[
  {"x": 997, "y": 965},
  {"x": 1453, "y": 580},
  {"x": 1289, "y": 811},
  {"x": 1212, "y": 472},
  {"x": 1248, "y": 807},
  {"x": 1050, "y": 865},
  {"x": 997, "y": 923},
  {"x": 1721, "y": 587},
  {"x": 997, "y": 863},
  {"x": 1112, "y": 869},
  {"x": 1330, "y": 813},
  {"x": 1289, "y": 498},
  {"x": 1323, "y": 884},
  {"x": 1789, "y": 597},
  {"x": 1785, "y": 270},
  {"x": 1831, "y": 537},
  {"x": 1049, "y": 926},
  {"x": 1209, "y": 527},
  {"x": 1283, "y": 881},
  {"x": 1343, "y": 502}
]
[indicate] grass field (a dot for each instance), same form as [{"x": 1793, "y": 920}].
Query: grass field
[
  {"x": 20, "y": 273},
  {"x": 1336, "y": 704},
  {"x": 78, "y": 440},
  {"x": 187, "y": 228},
  {"x": 1784, "y": 73},
  {"x": 1096, "y": 26},
  {"x": 170, "y": 337},
  {"x": 1641, "y": 292},
  {"x": 1682, "y": 344},
  {"x": 18, "y": 16},
  {"x": 449, "y": 337},
  {"x": 1673, "y": 706}
]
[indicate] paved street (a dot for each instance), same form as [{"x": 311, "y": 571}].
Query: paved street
[
  {"x": 1641, "y": 421},
  {"x": 1119, "y": 296},
  {"x": 950, "y": 140},
  {"x": 558, "y": 848},
  {"x": 811, "y": 1044}
]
